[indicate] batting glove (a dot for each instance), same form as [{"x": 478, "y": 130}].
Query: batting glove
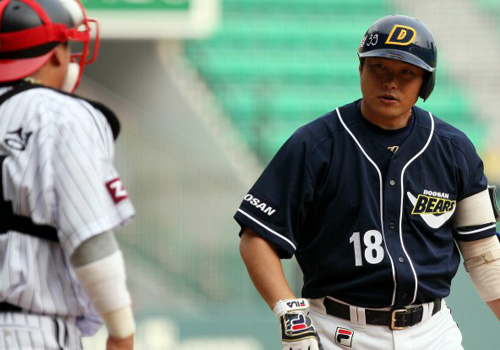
[{"x": 297, "y": 330}]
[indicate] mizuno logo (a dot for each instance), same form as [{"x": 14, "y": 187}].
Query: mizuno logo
[
  {"x": 18, "y": 139},
  {"x": 434, "y": 210},
  {"x": 393, "y": 149}
]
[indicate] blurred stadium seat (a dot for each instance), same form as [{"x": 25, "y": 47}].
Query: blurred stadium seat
[
  {"x": 275, "y": 65},
  {"x": 490, "y": 6}
]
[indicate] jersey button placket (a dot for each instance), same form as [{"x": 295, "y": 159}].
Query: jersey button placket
[{"x": 404, "y": 276}]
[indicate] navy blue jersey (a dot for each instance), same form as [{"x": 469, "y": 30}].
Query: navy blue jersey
[{"x": 369, "y": 237}]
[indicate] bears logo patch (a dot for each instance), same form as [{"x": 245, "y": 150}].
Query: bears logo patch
[{"x": 435, "y": 208}]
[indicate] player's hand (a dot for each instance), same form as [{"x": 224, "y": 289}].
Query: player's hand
[
  {"x": 298, "y": 333},
  {"x": 297, "y": 329},
  {"x": 120, "y": 343}
]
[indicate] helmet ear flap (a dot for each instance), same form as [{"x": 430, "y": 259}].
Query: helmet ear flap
[{"x": 428, "y": 85}]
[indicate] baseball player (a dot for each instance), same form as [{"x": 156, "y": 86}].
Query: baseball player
[
  {"x": 61, "y": 271},
  {"x": 372, "y": 199}
]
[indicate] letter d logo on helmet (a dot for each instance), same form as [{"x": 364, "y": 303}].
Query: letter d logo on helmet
[{"x": 401, "y": 35}]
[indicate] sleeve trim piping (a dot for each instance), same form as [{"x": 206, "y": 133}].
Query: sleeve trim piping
[
  {"x": 478, "y": 230},
  {"x": 269, "y": 229}
]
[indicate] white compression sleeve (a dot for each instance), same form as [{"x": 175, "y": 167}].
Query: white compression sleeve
[
  {"x": 482, "y": 261},
  {"x": 104, "y": 281}
]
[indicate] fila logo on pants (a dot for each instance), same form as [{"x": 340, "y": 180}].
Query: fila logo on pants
[{"x": 343, "y": 336}]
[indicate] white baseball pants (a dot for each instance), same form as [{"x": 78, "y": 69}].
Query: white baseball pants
[
  {"x": 437, "y": 332},
  {"x": 21, "y": 331}
]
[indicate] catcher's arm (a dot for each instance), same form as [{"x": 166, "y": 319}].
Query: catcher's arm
[
  {"x": 265, "y": 269},
  {"x": 99, "y": 265}
]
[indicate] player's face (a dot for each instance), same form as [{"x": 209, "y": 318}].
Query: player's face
[{"x": 390, "y": 89}]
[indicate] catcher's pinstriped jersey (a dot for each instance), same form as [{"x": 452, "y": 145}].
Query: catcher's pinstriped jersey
[
  {"x": 369, "y": 226},
  {"x": 58, "y": 171}
]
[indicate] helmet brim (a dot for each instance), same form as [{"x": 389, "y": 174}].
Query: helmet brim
[
  {"x": 398, "y": 55},
  {"x": 16, "y": 69}
]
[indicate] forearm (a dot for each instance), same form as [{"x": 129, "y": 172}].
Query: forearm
[
  {"x": 482, "y": 260},
  {"x": 495, "y": 307},
  {"x": 100, "y": 268},
  {"x": 264, "y": 267}
]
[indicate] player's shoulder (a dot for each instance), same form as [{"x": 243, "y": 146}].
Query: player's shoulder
[
  {"x": 311, "y": 137},
  {"x": 326, "y": 126},
  {"x": 64, "y": 109},
  {"x": 53, "y": 104},
  {"x": 445, "y": 130},
  {"x": 52, "y": 97}
]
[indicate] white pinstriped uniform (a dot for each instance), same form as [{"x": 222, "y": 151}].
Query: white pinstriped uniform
[{"x": 58, "y": 180}]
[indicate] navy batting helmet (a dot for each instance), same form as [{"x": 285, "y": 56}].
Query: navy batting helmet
[
  {"x": 31, "y": 29},
  {"x": 405, "y": 39}
]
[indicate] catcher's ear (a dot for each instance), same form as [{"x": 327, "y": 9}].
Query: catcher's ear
[
  {"x": 53, "y": 72},
  {"x": 60, "y": 56}
]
